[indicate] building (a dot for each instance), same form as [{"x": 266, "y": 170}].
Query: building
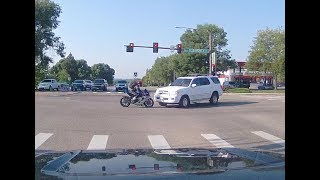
[{"x": 242, "y": 75}]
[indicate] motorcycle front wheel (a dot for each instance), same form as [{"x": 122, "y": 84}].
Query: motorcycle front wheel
[
  {"x": 125, "y": 101},
  {"x": 149, "y": 103}
]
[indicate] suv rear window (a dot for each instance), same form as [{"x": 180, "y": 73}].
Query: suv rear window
[{"x": 215, "y": 80}]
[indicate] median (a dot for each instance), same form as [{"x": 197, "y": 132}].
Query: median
[{"x": 246, "y": 90}]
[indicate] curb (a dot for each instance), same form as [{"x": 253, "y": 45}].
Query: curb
[{"x": 255, "y": 93}]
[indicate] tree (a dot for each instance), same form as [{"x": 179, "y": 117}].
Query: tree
[
  {"x": 69, "y": 65},
  {"x": 63, "y": 76},
  {"x": 84, "y": 70},
  {"x": 199, "y": 39},
  {"x": 267, "y": 53},
  {"x": 103, "y": 71},
  {"x": 46, "y": 14}
]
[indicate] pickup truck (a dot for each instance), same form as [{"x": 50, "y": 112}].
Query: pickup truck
[{"x": 49, "y": 84}]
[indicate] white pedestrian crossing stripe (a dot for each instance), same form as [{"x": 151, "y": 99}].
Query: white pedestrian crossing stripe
[
  {"x": 217, "y": 141},
  {"x": 270, "y": 137},
  {"x": 158, "y": 142},
  {"x": 98, "y": 142},
  {"x": 41, "y": 138}
]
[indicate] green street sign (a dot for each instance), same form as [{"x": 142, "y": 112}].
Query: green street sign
[{"x": 196, "y": 51}]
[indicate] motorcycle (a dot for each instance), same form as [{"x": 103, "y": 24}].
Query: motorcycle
[{"x": 145, "y": 99}]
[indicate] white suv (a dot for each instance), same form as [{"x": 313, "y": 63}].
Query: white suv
[{"x": 189, "y": 90}]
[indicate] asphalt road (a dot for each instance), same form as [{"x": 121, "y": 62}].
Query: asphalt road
[{"x": 86, "y": 120}]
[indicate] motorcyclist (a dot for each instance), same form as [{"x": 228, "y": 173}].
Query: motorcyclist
[{"x": 134, "y": 86}]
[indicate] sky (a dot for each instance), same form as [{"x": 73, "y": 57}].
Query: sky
[{"x": 98, "y": 30}]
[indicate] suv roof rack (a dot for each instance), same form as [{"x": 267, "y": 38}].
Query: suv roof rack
[{"x": 196, "y": 74}]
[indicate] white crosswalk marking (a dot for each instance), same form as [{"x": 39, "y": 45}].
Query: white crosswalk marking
[
  {"x": 217, "y": 141},
  {"x": 158, "y": 142},
  {"x": 41, "y": 138},
  {"x": 98, "y": 142},
  {"x": 270, "y": 137}
]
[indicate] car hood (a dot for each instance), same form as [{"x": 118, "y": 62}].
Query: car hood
[
  {"x": 171, "y": 88},
  {"x": 132, "y": 163}
]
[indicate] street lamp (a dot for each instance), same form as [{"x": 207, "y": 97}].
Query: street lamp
[{"x": 210, "y": 49}]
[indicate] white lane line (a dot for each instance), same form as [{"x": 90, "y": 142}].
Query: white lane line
[
  {"x": 158, "y": 142},
  {"x": 98, "y": 142},
  {"x": 41, "y": 138},
  {"x": 108, "y": 92},
  {"x": 270, "y": 137},
  {"x": 218, "y": 142}
]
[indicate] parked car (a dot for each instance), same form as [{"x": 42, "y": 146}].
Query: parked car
[
  {"x": 121, "y": 85},
  {"x": 100, "y": 84},
  {"x": 229, "y": 85},
  {"x": 188, "y": 90},
  {"x": 64, "y": 87},
  {"x": 263, "y": 86},
  {"x": 48, "y": 84},
  {"x": 78, "y": 85},
  {"x": 88, "y": 84},
  {"x": 281, "y": 85},
  {"x": 244, "y": 84}
]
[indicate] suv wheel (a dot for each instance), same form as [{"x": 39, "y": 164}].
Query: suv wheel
[
  {"x": 184, "y": 102},
  {"x": 214, "y": 98}
]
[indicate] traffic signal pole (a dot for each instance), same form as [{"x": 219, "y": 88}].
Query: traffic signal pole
[{"x": 210, "y": 52}]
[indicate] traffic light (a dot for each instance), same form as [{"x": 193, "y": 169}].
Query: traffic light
[
  {"x": 155, "y": 47},
  {"x": 179, "y": 48},
  {"x": 130, "y": 47}
]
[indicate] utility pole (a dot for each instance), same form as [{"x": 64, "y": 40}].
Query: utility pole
[{"x": 210, "y": 51}]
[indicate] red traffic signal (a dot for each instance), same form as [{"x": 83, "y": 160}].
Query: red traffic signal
[
  {"x": 155, "y": 47},
  {"x": 130, "y": 47},
  {"x": 179, "y": 48}
]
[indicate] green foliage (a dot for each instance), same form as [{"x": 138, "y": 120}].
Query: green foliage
[
  {"x": 79, "y": 69},
  {"x": 164, "y": 68},
  {"x": 46, "y": 14},
  {"x": 103, "y": 71},
  {"x": 268, "y": 52}
]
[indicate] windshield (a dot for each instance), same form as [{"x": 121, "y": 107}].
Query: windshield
[
  {"x": 46, "y": 81},
  {"x": 99, "y": 81},
  {"x": 78, "y": 81},
  {"x": 166, "y": 78},
  {"x": 181, "y": 82}
]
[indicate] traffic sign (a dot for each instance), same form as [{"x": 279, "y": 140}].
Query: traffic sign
[{"x": 196, "y": 50}]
